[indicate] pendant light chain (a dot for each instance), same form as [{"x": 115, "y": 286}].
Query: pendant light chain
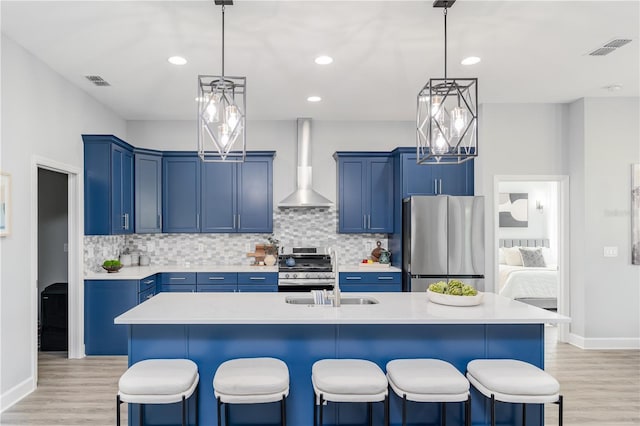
[
  {"x": 445, "y": 43},
  {"x": 223, "y": 43}
]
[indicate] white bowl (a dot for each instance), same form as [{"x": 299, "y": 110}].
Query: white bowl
[{"x": 447, "y": 299}]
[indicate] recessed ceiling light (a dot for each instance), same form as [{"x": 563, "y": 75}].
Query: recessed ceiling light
[
  {"x": 613, "y": 87},
  {"x": 470, "y": 60},
  {"x": 177, "y": 60},
  {"x": 314, "y": 98},
  {"x": 324, "y": 60}
]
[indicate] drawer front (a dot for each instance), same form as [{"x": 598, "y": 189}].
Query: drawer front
[
  {"x": 147, "y": 284},
  {"x": 216, "y": 288},
  {"x": 257, "y": 288},
  {"x": 370, "y": 278},
  {"x": 179, "y": 288},
  {"x": 146, "y": 295},
  {"x": 258, "y": 278},
  {"x": 216, "y": 278},
  {"x": 177, "y": 278},
  {"x": 371, "y": 288}
]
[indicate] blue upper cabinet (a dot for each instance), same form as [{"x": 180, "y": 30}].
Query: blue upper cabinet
[
  {"x": 433, "y": 179},
  {"x": 148, "y": 191},
  {"x": 180, "y": 192},
  {"x": 218, "y": 197},
  {"x": 365, "y": 192},
  {"x": 108, "y": 185}
]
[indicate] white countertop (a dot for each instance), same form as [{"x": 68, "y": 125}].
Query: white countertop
[
  {"x": 140, "y": 272},
  {"x": 270, "y": 308}
]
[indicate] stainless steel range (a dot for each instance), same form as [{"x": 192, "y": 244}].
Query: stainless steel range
[{"x": 305, "y": 269}]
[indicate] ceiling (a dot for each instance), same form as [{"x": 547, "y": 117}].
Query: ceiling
[{"x": 384, "y": 52}]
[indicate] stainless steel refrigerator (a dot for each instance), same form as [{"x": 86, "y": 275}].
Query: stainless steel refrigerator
[{"x": 443, "y": 239}]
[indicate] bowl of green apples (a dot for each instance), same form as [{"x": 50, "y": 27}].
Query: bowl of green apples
[{"x": 454, "y": 293}]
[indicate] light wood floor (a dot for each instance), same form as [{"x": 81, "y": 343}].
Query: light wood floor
[{"x": 600, "y": 388}]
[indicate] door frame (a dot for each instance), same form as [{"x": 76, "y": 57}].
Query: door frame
[
  {"x": 563, "y": 237},
  {"x": 75, "y": 221}
]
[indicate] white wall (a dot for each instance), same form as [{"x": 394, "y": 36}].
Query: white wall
[
  {"x": 611, "y": 286},
  {"x": 42, "y": 115},
  {"x": 327, "y": 137}
]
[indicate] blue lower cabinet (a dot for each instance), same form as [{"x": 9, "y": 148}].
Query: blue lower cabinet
[
  {"x": 103, "y": 301},
  {"x": 257, "y": 288},
  {"x": 178, "y": 288},
  {"x": 370, "y": 281},
  {"x": 258, "y": 282},
  {"x": 216, "y": 288}
]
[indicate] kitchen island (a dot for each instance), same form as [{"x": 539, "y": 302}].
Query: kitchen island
[{"x": 212, "y": 328}]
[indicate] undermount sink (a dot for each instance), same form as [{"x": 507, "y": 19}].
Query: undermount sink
[{"x": 307, "y": 300}]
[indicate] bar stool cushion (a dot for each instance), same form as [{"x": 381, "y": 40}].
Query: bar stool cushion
[
  {"x": 158, "y": 381},
  {"x": 349, "y": 380},
  {"x": 251, "y": 381},
  {"x": 427, "y": 380},
  {"x": 514, "y": 381}
]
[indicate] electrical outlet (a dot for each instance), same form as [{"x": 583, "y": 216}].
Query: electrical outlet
[
  {"x": 610, "y": 251},
  {"x": 200, "y": 247}
]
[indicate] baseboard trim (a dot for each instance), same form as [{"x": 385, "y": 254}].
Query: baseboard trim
[
  {"x": 604, "y": 342},
  {"x": 16, "y": 393}
]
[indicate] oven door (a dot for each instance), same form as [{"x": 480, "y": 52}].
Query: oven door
[{"x": 303, "y": 286}]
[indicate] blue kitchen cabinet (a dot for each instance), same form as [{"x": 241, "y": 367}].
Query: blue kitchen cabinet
[
  {"x": 108, "y": 185},
  {"x": 217, "y": 196},
  {"x": 180, "y": 192},
  {"x": 237, "y": 281},
  {"x": 238, "y": 197},
  {"x": 370, "y": 282},
  {"x": 208, "y": 282},
  {"x": 148, "y": 192},
  {"x": 184, "y": 282},
  {"x": 257, "y": 281},
  {"x": 433, "y": 179},
  {"x": 103, "y": 301},
  {"x": 365, "y": 192}
]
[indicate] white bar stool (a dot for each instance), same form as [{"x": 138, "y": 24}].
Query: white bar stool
[
  {"x": 251, "y": 381},
  {"x": 513, "y": 381},
  {"x": 158, "y": 381},
  {"x": 348, "y": 380},
  {"x": 429, "y": 380}
]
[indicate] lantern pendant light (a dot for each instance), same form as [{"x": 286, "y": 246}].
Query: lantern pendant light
[
  {"x": 221, "y": 113},
  {"x": 447, "y": 114}
]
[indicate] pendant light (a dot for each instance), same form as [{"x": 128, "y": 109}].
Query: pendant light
[
  {"x": 221, "y": 113},
  {"x": 447, "y": 117}
]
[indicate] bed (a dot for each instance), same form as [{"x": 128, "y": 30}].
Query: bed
[{"x": 536, "y": 285}]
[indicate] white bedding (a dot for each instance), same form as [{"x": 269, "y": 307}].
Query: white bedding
[{"x": 517, "y": 282}]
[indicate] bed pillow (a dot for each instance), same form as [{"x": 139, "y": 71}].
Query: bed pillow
[
  {"x": 502, "y": 260},
  {"x": 532, "y": 257},
  {"x": 512, "y": 256}
]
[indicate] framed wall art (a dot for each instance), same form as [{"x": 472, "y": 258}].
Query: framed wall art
[
  {"x": 513, "y": 210},
  {"x": 5, "y": 204}
]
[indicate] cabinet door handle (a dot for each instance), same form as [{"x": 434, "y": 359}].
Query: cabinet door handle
[
  {"x": 234, "y": 221},
  {"x": 216, "y": 278},
  {"x": 238, "y": 220},
  {"x": 124, "y": 222},
  {"x": 385, "y": 278},
  {"x": 364, "y": 221},
  {"x": 440, "y": 186},
  {"x": 198, "y": 220},
  {"x": 157, "y": 221},
  {"x": 369, "y": 221},
  {"x": 148, "y": 282},
  {"x": 257, "y": 278},
  {"x": 435, "y": 186},
  {"x": 149, "y": 296},
  {"x": 354, "y": 278},
  {"x": 178, "y": 278}
]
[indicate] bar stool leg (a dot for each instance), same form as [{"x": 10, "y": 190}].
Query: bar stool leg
[
  {"x": 315, "y": 409},
  {"x": 404, "y": 409},
  {"x": 560, "y": 410},
  {"x": 443, "y": 409},
  {"x": 219, "y": 411},
  {"x": 370, "y": 413},
  {"x": 141, "y": 412},
  {"x": 493, "y": 410},
  {"x": 226, "y": 414},
  {"x": 118, "y": 402},
  {"x": 386, "y": 410},
  {"x": 321, "y": 408},
  {"x": 197, "y": 396},
  {"x": 524, "y": 414},
  {"x": 283, "y": 411},
  {"x": 184, "y": 411},
  {"x": 467, "y": 414}
]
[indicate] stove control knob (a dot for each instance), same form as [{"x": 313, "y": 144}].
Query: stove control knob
[
  {"x": 295, "y": 275},
  {"x": 308, "y": 276},
  {"x": 286, "y": 275}
]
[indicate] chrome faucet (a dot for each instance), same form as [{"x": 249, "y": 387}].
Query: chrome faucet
[{"x": 335, "y": 297}]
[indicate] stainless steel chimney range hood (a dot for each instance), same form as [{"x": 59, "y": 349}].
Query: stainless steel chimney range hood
[{"x": 304, "y": 195}]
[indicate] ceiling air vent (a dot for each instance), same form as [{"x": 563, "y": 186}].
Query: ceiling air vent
[
  {"x": 610, "y": 46},
  {"x": 97, "y": 80}
]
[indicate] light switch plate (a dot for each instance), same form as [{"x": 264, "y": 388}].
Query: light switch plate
[{"x": 610, "y": 251}]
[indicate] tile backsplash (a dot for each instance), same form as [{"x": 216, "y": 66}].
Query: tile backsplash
[{"x": 293, "y": 227}]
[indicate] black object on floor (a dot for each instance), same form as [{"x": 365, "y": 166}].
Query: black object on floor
[{"x": 54, "y": 318}]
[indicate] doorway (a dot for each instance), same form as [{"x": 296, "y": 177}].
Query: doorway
[
  {"x": 533, "y": 211},
  {"x": 53, "y": 261}
]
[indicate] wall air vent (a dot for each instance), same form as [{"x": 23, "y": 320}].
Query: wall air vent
[
  {"x": 97, "y": 80},
  {"x": 610, "y": 46}
]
